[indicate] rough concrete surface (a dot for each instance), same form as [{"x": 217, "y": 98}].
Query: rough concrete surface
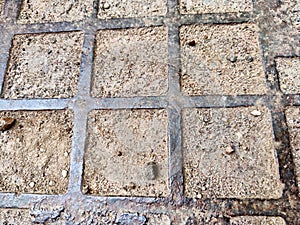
[
  {"x": 41, "y": 11},
  {"x": 131, "y": 62},
  {"x": 214, "y": 6},
  {"x": 221, "y": 60},
  {"x": 44, "y": 66},
  {"x": 127, "y": 153},
  {"x": 229, "y": 153},
  {"x": 257, "y": 220},
  {"x": 35, "y": 151},
  {"x": 149, "y": 112},
  {"x": 288, "y": 69},
  {"x": 293, "y": 122},
  {"x": 131, "y": 8}
]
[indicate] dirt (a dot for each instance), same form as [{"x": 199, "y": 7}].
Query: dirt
[
  {"x": 35, "y": 151},
  {"x": 127, "y": 153},
  {"x": 44, "y": 66},
  {"x": 215, "y": 6},
  {"x": 40, "y": 11},
  {"x": 131, "y": 62},
  {"x": 288, "y": 74},
  {"x": 221, "y": 60},
  {"x": 293, "y": 122},
  {"x": 131, "y": 8},
  {"x": 251, "y": 168}
]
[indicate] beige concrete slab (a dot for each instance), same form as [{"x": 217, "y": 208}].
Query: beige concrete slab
[
  {"x": 288, "y": 69},
  {"x": 131, "y": 8},
  {"x": 257, "y": 220},
  {"x": 40, "y": 11},
  {"x": 221, "y": 60},
  {"x": 127, "y": 153},
  {"x": 214, "y": 6},
  {"x": 35, "y": 151},
  {"x": 131, "y": 62},
  {"x": 229, "y": 153},
  {"x": 44, "y": 66}
]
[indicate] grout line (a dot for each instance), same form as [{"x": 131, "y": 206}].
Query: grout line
[
  {"x": 175, "y": 155},
  {"x": 5, "y": 46},
  {"x": 12, "y": 9},
  {"x": 86, "y": 66},
  {"x": 34, "y": 104},
  {"x": 78, "y": 148}
]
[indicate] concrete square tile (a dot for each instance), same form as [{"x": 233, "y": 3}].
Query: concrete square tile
[
  {"x": 44, "y": 66},
  {"x": 131, "y": 8},
  {"x": 214, "y": 6},
  {"x": 131, "y": 62},
  {"x": 41, "y": 11},
  {"x": 229, "y": 153},
  {"x": 288, "y": 72},
  {"x": 127, "y": 153},
  {"x": 35, "y": 147},
  {"x": 293, "y": 122},
  {"x": 257, "y": 220},
  {"x": 221, "y": 60}
]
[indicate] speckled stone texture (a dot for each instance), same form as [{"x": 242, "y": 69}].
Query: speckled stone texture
[
  {"x": 289, "y": 77},
  {"x": 221, "y": 60},
  {"x": 131, "y": 62},
  {"x": 44, "y": 66},
  {"x": 14, "y": 217},
  {"x": 131, "y": 8},
  {"x": 35, "y": 151},
  {"x": 257, "y": 220},
  {"x": 214, "y": 6},
  {"x": 229, "y": 153},
  {"x": 39, "y": 11},
  {"x": 293, "y": 122},
  {"x": 127, "y": 153}
]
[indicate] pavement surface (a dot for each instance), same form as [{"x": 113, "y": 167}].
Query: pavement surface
[{"x": 150, "y": 112}]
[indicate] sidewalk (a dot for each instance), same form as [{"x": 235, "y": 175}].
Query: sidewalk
[{"x": 150, "y": 112}]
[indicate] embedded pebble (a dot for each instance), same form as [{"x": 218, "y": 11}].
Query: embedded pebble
[
  {"x": 151, "y": 171},
  {"x": 106, "y": 5},
  {"x": 64, "y": 173},
  {"x": 256, "y": 113},
  {"x": 6, "y": 123},
  {"x": 51, "y": 183},
  {"x": 232, "y": 58},
  {"x": 229, "y": 150},
  {"x": 31, "y": 184}
]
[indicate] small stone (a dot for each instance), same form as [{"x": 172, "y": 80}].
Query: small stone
[
  {"x": 199, "y": 196},
  {"x": 232, "y": 58},
  {"x": 51, "y": 183},
  {"x": 66, "y": 154},
  {"x": 249, "y": 58},
  {"x": 229, "y": 150},
  {"x": 151, "y": 171},
  {"x": 256, "y": 113},
  {"x": 192, "y": 43},
  {"x": 64, "y": 173},
  {"x": 106, "y": 5},
  {"x": 31, "y": 184},
  {"x": 6, "y": 123}
]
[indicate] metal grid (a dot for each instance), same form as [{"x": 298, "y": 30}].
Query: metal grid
[{"x": 174, "y": 102}]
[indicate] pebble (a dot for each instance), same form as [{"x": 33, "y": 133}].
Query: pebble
[
  {"x": 256, "y": 113},
  {"x": 31, "y": 184},
  {"x": 51, "y": 183},
  {"x": 64, "y": 173},
  {"x": 249, "y": 58},
  {"x": 66, "y": 154},
  {"x": 6, "y": 123},
  {"x": 106, "y": 5},
  {"x": 232, "y": 58},
  {"x": 229, "y": 150},
  {"x": 151, "y": 171}
]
